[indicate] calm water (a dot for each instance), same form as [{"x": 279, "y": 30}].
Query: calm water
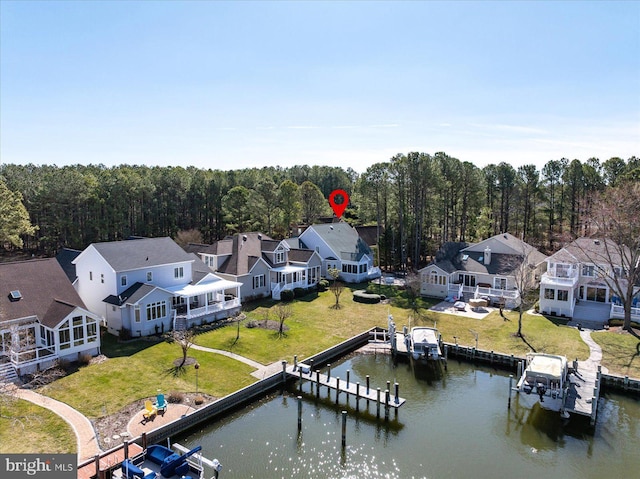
[{"x": 453, "y": 426}]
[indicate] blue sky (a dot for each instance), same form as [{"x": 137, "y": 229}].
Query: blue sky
[{"x": 230, "y": 85}]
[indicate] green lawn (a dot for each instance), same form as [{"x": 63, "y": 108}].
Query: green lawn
[
  {"x": 26, "y": 428},
  {"x": 620, "y": 352},
  {"x": 105, "y": 388}
]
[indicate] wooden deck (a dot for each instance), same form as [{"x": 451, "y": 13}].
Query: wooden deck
[
  {"x": 584, "y": 391},
  {"x": 108, "y": 461},
  {"x": 350, "y": 388}
]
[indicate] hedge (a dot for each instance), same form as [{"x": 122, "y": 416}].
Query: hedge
[{"x": 363, "y": 297}]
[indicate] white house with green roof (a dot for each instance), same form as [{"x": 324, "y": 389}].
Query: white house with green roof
[{"x": 340, "y": 247}]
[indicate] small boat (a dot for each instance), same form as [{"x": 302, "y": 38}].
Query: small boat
[
  {"x": 423, "y": 344},
  {"x": 158, "y": 461},
  {"x": 545, "y": 380}
]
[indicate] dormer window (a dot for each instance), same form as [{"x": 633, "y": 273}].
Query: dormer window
[{"x": 279, "y": 256}]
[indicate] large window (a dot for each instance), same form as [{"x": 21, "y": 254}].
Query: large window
[
  {"x": 156, "y": 310},
  {"x": 92, "y": 332},
  {"x": 178, "y": 272},
  {"x": 563, "y": 295},
  {"x": 78, "y": 331},
  {"x": 588, "y": 270},
  {"x": 549, "y": 293},
  {"x": 258, "y": 281},
  {"x": 64, "y": 336},
  {"x": 467, "y": 279}
]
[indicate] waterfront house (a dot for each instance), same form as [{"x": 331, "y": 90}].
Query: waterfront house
[
  {"x": 575, "y": 284},
  {"x": 151, "y": 285},
  {"x": 484, "y": 269},
  {"x": 42, "y": 318},
  {"x": 340, "y": 247},
  {"x": 261, "y": 265}
]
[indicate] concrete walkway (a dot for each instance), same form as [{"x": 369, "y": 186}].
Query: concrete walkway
[
  {"x": 261, "y": 371},
  {"x": 82, "y": 427},
  {"x": 596, "y": 351}
]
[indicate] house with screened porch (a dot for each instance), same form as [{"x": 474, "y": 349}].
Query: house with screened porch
[
  {"x": 42, "y": 318},
  {"x": 482, "y": 270},
  {"x": 577, "y": 282},
  {"x": 151, "y": 285}
]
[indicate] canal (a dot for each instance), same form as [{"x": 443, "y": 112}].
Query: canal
[{"x": 453, "y": 425}]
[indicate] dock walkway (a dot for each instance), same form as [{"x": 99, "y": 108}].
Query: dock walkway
[{"x": 359, "y": 391}]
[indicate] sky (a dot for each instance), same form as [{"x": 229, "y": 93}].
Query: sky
[{"x": 228, "y": 85}]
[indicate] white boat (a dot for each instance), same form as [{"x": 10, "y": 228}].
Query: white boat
[
  {"x": 158, "y": 461},
  {"x": 544, "y": 380},
  {"x": 423, "y": 344}
]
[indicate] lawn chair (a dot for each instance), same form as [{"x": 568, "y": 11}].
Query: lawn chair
[
  {"x": 161, "y": 403},
  {"x": 150, "y": 410}
]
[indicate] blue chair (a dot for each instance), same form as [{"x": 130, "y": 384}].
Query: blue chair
[{"x": 161, "y": 403}]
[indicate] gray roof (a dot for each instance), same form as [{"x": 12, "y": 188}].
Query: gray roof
[
  {"x": 141, "y": 253},
  {"x": 245, "y": 253},
  {"x": 589, "y": 250},
  {"x": 222, "y": 247},
  {"x": 343, "y": 240},
  {"x": 46, "y": 291},
  {"x": 132, "y": 294}
]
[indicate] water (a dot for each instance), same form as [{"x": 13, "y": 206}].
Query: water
[{"x": 452, "y": 426}]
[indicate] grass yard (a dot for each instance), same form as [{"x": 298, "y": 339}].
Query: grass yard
[
  {"x": 315, "y": 326},
  {"x": 101, "y": 389},
  {"x": 26, "y": 427},
  {"x": 620, "y": 352}
]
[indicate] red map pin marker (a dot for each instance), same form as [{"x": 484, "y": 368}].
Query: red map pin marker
[{"x": 338, "y": 208}]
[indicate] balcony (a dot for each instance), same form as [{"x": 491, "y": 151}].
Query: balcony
[
  {"x": 565, "y": 280},
  {"x": 214, "y": 307}
]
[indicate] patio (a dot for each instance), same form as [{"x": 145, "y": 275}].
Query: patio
[{"x": 476, "y": 313}]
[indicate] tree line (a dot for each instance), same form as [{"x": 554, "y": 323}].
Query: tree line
[{"x": 418, "y": 200}]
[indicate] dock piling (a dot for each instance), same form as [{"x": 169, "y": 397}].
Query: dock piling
[
  {"x": 397, "y": 390},
  {"x": 368, "y": 383},
  {"x": 378, "y": 404},
  {"x": 300, "y": 387},
  {"x": 348, "y": 377},
  {"x": 344, "y": 428},
  {"x": 317, "y": 383},
  {"x": 337, "y": 389},
  {"x": 299, "y": 414},
  {"x": 328, "y": 372},
  {"x": 510, "y": 389},
  {"x": 357, "y": 396}
]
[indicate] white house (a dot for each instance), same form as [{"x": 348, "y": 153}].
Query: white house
[
  {"x": 151, "y": 285},
  {"x": 42, "y": 318},
  {"x": 575, "y": 284},
  {"x": 485, "y": 269},
  {"x": 340, "y": 247},
  {"x": 263, "y": 266}
]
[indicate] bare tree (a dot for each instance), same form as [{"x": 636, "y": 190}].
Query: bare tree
[
  {"x": 615, "y": 250},
  {"x": 524, "y": 281},
  {"x": 282, "y": 311},
  {"x": 184, "y": 237},
  {"x": 336, "y": 286},
  {"x": 184, "y": 339},
  {"x": 412, "y": 290}
]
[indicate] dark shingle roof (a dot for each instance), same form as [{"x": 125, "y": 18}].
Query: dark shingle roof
[
  {"x": 245, "y": 253},
  {"x": 221, "y": 247},
  {"x": 65, "y": 258},
  {"x": 141, "y": 253},
  {"x": 45, "y": 289},
  {"x": 300, "y": 255},
  {"x": 132, "y": 294}
]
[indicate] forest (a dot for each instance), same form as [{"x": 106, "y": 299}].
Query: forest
[{"x": 418, "y": 200}]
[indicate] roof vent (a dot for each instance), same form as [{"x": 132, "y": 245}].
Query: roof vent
[
  {"x": 259, "y": 236},
  {"x": 505, "y": 237},
  {"x": 465, "y": 257},
  {"x": 331, "y": 227},
  {"x": 244, "y": 237},
  {"x": 596, "y": 241},
  {"x": 15, "y": 295}
]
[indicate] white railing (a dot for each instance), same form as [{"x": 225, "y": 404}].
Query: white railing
[
  {"x": 477, "y": 291},
  {"x": 209, "y": 308},
  {"x": 550, "y": 279},
  {"x": 617, "y": 311},
  {"x": 374, "y": 272},
  {"x": 31, "y": 356}
]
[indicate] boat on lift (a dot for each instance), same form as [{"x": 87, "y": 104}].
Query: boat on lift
[
  {"x": 545, "y": 380},
  {"x": 423, "y": 344}
]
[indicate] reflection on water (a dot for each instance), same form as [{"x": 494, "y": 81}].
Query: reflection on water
[{"x": 454, "y": 424}]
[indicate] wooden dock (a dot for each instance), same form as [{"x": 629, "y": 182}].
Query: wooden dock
[
  {"x": 386, "y": 397},
  {"x": 584, "y": 390}
]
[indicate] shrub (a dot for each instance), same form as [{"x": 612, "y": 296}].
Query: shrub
[
  {"x": 363, "y": 297},
  {"x": 299, "y": 292},
  {"x": 323, "y": 285},
  {"x": 198, "y": 400},
  {"x": 536, "y": 306},
  {"x": 84, "y": 359},
  {"x": 175, "y": 397},
  {"x": 287, "y": 295},
  {"x": 124, "y": 334}
]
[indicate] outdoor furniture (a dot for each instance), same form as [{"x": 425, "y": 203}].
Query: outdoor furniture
[
  {"x": 161, "y": 403},
  {"x": 460, "y": 305},
  {"x": 150, "y": 410}
]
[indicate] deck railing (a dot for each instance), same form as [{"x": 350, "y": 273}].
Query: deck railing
[
  {"x": 617, "y": 311},
  {"x": 210, "y": 308}
]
